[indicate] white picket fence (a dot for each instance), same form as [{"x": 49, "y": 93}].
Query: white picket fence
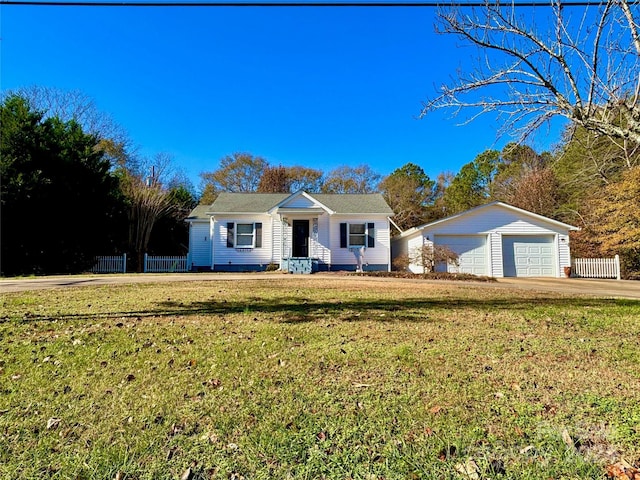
[
  {"x": 152, "y": 264},
  {"x": 110, "y": 264},
  {"x": 596, "y": 267},
  {"x": 162, "y": 264}
]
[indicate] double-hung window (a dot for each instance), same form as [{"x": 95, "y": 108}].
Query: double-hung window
[
  {"x": 245, "y": 237},
  {"x": 357, "y": 234}
]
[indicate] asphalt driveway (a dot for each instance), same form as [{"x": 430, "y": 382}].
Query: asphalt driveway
[{"x": 578, "y": 286}]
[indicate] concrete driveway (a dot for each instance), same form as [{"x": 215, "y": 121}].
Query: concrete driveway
[{"x": 578, "y": 286}]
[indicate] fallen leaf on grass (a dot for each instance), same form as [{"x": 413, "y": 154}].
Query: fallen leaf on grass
[
  {"x": 468, "y": 469},
  {"x": 362, "y": 385},
  {"x": 187, "y": 475},
  {"x": 435, "y": 409},
  {"x": 623, "y": 471},
  {"x": 53, "y": 423},
  {"x": 213, "y": 383},
  {"x": 176, "y": 429}
]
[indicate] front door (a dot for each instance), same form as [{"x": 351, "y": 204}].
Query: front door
[{"x": 301, "y": 238}]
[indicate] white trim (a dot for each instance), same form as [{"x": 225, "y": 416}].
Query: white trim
[
  {"x": 236, "y": 233},
  {"x": 489, "y": 255},
  {"x": 364, "y": 235},
  {"x": 300, "y": 193},
  {"x": 212, "y": 229}
]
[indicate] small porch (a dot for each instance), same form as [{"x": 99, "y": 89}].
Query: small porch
[{"x": 302, "y": 251}]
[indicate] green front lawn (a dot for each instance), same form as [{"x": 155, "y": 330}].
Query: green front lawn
[{"x": 302, "y": 377}]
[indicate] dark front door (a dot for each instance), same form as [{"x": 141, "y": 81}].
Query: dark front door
[{"x": 301, "y": 238}]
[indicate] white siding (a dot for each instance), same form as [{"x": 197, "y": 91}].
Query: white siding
[
  {"x": 378, "y": 255},
  {"x": 200, "y": 244},
  {"x": 495, "y": 221},
  {"x": 495, "y": 255},
  {"x": 299, "y": 202},
  {"x": 414, "y": 245},
  {"x": 224, "y": 255},
  {"x": 564, "y": 253},
  {"x": 320, "y": 248},
  {"x": 276, "y": 239}
]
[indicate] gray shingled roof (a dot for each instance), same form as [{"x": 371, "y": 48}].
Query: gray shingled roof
[
  {"x": 354, "y": 203},
  {"x": 263, "y": 202}
]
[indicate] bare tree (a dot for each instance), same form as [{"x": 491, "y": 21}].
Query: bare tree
[
  {"x": 239, "y": 172},
  {"x": 536, "y": 190},
  {"x": 78, "y": 106},
  {"x": 150, "y": 198},
  {"x": 429, "y": 255},
  {"x": 584, "y": 65},
  {"x": 304, "y": 178},
  {"x": 274, "y": 180},
  {"x": 346, "y": 179}
]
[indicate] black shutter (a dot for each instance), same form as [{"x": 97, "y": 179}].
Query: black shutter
[
  {"x": 371, "y": 235},
  {"x": 258, "y": 227},
  {"x": 343, "y": 235},
  {"x": 230, "y": 227}
]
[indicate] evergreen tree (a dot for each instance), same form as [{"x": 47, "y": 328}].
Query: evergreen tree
[{"x": 61, "y": 203}]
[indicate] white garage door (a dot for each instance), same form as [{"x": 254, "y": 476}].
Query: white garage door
[
  {"x": 472, "y": 253},
  {"x": 528, "y": 256}
]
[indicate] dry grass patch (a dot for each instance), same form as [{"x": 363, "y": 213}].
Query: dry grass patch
[{"x": 316, "y": 378}]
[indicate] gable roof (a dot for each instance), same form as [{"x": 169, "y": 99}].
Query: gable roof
[
  {"x": 226, "y": 203},
  {"x": 520, "y": 211},
  {"x": 354, "y": 203},
  {"x": 245, "y": 202}
]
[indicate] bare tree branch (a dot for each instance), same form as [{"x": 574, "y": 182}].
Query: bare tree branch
[{"x": 584, "y": 68}]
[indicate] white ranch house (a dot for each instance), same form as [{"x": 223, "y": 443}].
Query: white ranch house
[
  {"x": 299, "y": 233},
  {"x": 496, "y": 240}
]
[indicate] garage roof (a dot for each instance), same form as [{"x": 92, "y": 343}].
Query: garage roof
[{"x": 521, "y": 211}]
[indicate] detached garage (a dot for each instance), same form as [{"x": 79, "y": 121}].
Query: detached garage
[{"x": 496, "y": 240}]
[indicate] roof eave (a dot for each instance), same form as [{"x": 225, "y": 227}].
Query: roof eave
[{"x": 542, "y": 218}]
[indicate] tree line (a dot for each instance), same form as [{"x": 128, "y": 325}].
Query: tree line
[
  {"x": 73, "y": 187},
  {"x": 72, "y": 190}
]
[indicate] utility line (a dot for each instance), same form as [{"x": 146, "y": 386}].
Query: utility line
[{"x": 432, "y": 4}]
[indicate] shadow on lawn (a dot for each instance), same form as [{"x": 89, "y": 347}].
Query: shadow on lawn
[{"x": 293, "y": 309}]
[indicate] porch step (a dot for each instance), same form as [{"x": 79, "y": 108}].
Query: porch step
[{"x": 298, "y": 265}]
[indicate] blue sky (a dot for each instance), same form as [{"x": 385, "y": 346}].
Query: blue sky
[{"x": 319, "y": 87}]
